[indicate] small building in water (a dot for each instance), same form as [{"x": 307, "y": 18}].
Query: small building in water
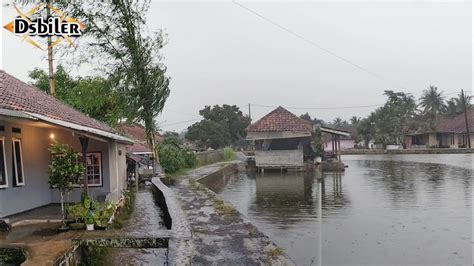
[
  {"x": 281, "y": 140},
  {"x": 447, "y": 133}
]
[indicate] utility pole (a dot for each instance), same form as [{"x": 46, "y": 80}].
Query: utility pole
[
  {"x": 250, "y": 114},
  {"x": 465, "y": 118},
  {"x": 52, "y": 85}
]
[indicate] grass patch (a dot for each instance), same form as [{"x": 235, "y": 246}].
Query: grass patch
[
  {"x": 275, "y": 252},
  {"x": 228, "y": 154},
  {"x": 222, "y": 208},
  {"x": 253, "y": 232},
  {"x": 124, "y": 213}
]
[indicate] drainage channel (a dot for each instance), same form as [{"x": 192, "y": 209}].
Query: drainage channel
[{"x": 143, "y": 239}]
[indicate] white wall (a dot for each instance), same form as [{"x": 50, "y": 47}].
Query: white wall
[{"x": 36, "y": 191}]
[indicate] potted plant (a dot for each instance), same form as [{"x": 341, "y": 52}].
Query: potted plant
[
  {"x": 104, "y": 215},
  {"x": 64, "y": 171},
  {"x": 79, "y": 213},
  {"x": 90, "y": 221},
  {"x": 91, "y": 206}
]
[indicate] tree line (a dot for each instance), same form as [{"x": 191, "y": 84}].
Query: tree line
[{"x": 400, "y": 114}]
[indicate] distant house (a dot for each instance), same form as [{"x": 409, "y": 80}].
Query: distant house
[
  {"x": 30, "y": 121},
  {"x": 140, "y": 154},
  {"x": 447, "y": 133}
]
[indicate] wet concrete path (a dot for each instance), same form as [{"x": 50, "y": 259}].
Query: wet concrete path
[
  {"x": 222, "y": 236},
  {"x": 144, "y": 222}
]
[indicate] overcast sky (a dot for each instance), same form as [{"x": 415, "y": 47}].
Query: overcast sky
[{"x": 221, "y": 53}]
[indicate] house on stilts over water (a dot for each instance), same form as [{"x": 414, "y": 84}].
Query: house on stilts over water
[{"x": 284, "y": 141}]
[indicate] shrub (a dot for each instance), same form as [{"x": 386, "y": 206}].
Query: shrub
[
  {"x": 228, "y": 154},
  {"x": 174, "y": 158}
]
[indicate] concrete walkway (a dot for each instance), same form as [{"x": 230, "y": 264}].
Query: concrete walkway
[
  {"x": 45, "y": 247},
  {"x": 221, "y": 235}
]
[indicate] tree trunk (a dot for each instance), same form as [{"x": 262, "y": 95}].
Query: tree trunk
[{"x": 62, "y": 209}]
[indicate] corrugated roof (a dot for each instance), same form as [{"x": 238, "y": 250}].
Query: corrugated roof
[{"x": 279, "y": 120}]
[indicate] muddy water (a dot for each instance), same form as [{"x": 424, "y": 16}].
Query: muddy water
[{"x": 385, "y": 210}]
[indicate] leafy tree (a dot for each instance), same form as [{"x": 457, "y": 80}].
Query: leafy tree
[
  {"x": 366, "y": 130},
  {"x": 93, "y": 96},
  {"x": 388, "y": 124},
  {"x": 432, "y": 103},
  {"x": 455, "y": 106},
  {"x": 209, "y": 133},
  {"x": 315, "y": 121},
  {"x": 116, "y": 33},
  {"x": 222, "y": 126},
  {"x": 64, "y": 170},
  {"x": 173, "y": 157},
  {"x": 306, "y": 117}
]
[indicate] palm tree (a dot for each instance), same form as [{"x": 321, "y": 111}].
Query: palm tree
[
  {"x": 455, "y": 106},
  {"x": 337, "y": 121},
  {"x": 432, "y": 102},
  {"x": 355, "y": 120}
]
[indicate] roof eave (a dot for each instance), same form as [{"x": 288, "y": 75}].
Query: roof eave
[{"x": 94, "y": 131}]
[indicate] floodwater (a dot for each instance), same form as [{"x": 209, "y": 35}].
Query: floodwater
[{"x": 384, "y": 210}]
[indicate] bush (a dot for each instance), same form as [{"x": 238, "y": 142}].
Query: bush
[
  {"x": 228, "y": 154},
  {"x": 174, "y": 158}
]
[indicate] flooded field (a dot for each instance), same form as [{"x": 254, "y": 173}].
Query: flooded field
[{"x": 385, "y": 210}]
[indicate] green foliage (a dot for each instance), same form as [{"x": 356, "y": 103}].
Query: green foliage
[
  {"x": 222, "y": 208},
  {"x": 173, "y": 157},
  {"x": 104, "y": 213},
  {"x": 454, "y": 106},
  {"x": 275, "y": 252},
  {"x": 94, "y": 96},
  {"x": 390, "y": 123},
  {"x": 432, "y": 104},
  {"x": 93, "y": 255},
  {"x": 64, "y": 170},
  {"x": 117, "y": 36},
  {"x": 78, "y": 212},
  {"x": 228, "y": 154},
  {"x": 222, "y": 126},
  {"x": 126, "y": 210},
  {"x": 318, "y": 142}
]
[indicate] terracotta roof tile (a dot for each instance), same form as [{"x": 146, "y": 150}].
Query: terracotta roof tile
[
  {"x": 136, "y": 132},
  {"x": 20, "y": 96},
  {"x": 456, "y": 124},
  {"x": 278, "y": 120}
]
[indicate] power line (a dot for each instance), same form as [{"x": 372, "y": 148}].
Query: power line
[
  {"x": 319, "y": 108},
  {"x": 314, "y": 44},
  {"x": 178, "y": 123}
]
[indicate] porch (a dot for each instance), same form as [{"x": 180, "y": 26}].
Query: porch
[{"x": 24, "y": 143}]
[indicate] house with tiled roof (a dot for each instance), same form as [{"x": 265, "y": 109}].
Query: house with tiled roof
[
  {"x": 281, "y": 140},
  {"x": 140, "y": 152},
  {"x": 30, "y": 121},
  {"x": 446, "y": 133}
]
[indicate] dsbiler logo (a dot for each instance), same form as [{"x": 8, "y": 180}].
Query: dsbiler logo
[{"x": 34, "y": 26}]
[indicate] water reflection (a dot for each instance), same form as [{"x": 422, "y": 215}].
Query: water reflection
[{"x": 382, "y": 210}]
